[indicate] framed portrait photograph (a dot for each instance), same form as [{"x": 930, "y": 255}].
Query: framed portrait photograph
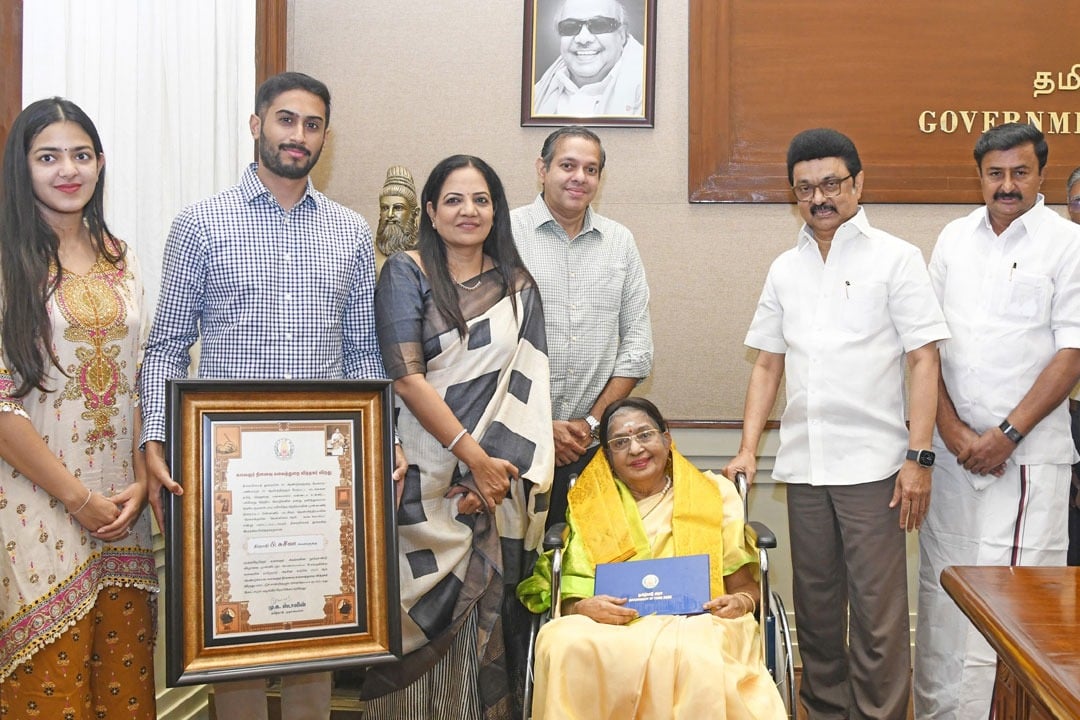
[
  {"x": 588, "y": 62},
  {"x": 281, "y": 555}
]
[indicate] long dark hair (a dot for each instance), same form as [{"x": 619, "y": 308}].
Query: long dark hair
[
  {"x": 499, "y": 243},
  {"x": 28, "y": 244}
]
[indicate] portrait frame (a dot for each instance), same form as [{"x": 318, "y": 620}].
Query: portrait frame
[
  {"x": 629, "y": 96},
  {"x": 263, "y": 503}
]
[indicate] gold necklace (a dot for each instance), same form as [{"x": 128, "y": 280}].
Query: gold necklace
[
  {"x": 663, "y": 494},
  {"x": 479, "y": 278}
]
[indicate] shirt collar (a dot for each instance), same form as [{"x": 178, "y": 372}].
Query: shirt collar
[
  {"x": 252, "y": 187},
  {"x": 1030, "y": 221},
  {"x": 541, "y": 215},
  {"x": 857, "y": 226}
]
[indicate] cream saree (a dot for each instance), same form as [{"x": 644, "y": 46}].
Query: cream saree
[{"x": 657, "y": 666}]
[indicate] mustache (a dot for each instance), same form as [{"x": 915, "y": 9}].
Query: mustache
[
  {"x": 815, "y": 209},
  {"x": 1008, "y": 195},
  {"x": 291, "y": 146}
]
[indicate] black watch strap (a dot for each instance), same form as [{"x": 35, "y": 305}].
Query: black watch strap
[
  {"x": 1010, "y": 432},
  {"x": 925, "y": 458}
]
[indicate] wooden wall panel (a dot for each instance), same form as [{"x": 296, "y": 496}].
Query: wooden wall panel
[
  {"x": 11, "y": 62},
  {"x": 763, "y": 70}
]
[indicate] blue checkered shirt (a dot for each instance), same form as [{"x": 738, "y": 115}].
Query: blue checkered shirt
[{"x": 273, "y": 294}]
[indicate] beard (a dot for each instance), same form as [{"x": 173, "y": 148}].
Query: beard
[
  {"x": 392, "y": 237},
  {"x": 270, "y": 158}
]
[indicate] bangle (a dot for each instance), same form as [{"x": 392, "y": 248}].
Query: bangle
[
  {"x": 748, "y": 596},
  {"x": 457, "y": 437},
  {"x": 86, "y": 502}
]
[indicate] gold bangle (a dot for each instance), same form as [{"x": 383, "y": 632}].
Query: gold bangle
[
  {"x": 748, "y": 596},
  {"x": 86, "y": 502}
]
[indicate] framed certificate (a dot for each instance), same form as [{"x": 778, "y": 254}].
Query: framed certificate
[{"x": 281, "y": 555}]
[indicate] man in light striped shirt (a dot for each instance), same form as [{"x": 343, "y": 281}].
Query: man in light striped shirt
[{"x": 596, "y": 298}]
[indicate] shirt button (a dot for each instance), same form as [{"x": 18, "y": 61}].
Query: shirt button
[
  {"x": 287, "y": 296},
  {"x": 288, "y": 336},
  {"x": 286, "y": 256},
  {"x": 288, "y": 376}
]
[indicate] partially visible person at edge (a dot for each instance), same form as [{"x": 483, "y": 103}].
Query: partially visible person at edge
[
  {"x": 841, "y": 315},
  {"x": 461, "y": 329},
  {"x": 640, "y": 499},
  {"x": 1072, "y": 187},
  {"x": 1008, "y": 277},
  {"x": 77, "y": 606},
  {"x": 601, "y": 66},
  {"x": 278, "y": 281},
  {"x": 596, "y": 299}
]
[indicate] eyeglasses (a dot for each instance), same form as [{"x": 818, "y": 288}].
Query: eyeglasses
[
  {"x": 598, "y": 25},
  {"x": 830, "y": 187},
  {"x": 622, "y": 443},
  {"x": 1074, "y": 202}
]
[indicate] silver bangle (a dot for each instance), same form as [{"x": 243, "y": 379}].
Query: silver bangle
[
  {"x": 86, "y": 502},
  {"x": 457, "y": 437}
]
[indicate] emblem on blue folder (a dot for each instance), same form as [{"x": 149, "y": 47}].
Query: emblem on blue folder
[{"x": 666, "y": 586}]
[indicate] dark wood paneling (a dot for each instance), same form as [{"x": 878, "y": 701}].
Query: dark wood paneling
[
  {"x": 760, "y": 72},
  {"x": 271, "y": 38},
  {"x": 11, "y": 62}
]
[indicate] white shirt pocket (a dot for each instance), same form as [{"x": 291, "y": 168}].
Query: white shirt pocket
[
  {"x": 862, "y": 305},
  {"x": 1025, "y": 298}
]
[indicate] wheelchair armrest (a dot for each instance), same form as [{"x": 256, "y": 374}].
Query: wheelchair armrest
[
  {"x": 555, "y": 537},
  {"x": 765, "y": 537}
]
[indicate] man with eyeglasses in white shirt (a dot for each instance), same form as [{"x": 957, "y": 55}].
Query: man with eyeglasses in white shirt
[
  {"x": 840, "y": 315},
  {"x": 600, "y": 66}
]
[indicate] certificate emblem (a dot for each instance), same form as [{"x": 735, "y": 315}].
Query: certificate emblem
[
  {"x": 284, "y": 448},
  {"x": 650, "y": 581}
]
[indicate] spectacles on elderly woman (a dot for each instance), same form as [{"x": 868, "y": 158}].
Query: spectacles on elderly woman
[{"x": 622, "y": 443}]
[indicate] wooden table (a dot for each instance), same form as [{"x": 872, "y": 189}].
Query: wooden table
[{"x": 1031, "y": 617}]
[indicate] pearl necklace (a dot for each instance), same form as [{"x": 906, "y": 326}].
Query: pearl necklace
[{"x": 663, "y": 494}]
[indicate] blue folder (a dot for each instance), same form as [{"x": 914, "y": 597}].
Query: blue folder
[{"x": 667, "y": 586}]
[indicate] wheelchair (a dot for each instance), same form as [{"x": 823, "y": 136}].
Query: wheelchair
[{"x": 772, "y": 617}]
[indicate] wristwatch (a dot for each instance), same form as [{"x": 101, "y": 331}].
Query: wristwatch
[
  {"x": 1010, "y": 432},
  {"x": 594, "y": 426},
  {"x": 923, "y": 457}
]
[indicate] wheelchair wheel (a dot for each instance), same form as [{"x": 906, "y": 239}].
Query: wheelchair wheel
[{"x": 782, "y": 662}]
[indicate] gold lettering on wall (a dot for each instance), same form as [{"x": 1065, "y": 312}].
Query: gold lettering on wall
[{"x": 979, "y": 121}]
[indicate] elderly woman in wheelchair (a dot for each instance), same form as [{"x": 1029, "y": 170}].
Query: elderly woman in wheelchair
[{"x": 640, "y": 499}]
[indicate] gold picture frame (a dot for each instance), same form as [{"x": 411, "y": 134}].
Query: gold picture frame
[{"x": 281, "y": 555}]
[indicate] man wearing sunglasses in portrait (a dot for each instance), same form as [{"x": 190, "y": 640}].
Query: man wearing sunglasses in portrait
[
  {"x": 599, "y": 70},
  {"x": 841, "y": 315}
]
